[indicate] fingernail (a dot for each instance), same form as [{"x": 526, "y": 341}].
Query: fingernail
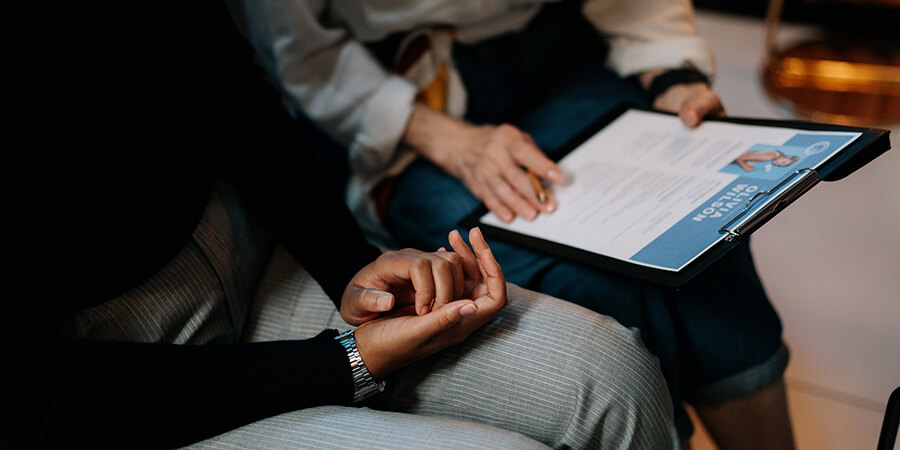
[
  {"x": 425, "y": 309},
  {"x": 551, "y": 207},
  {"x": 554, "y": 174},
  {"x": 384, "y": 302},
  {"x": 468, "y": 310}
]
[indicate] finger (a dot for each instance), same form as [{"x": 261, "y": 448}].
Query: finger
[
  {"x": 525, "y": 153},
  {"x": 550, "y": 204},
  {"x": 700, "y": 106},
  {"x": 520, "y": 180},
  {"x": 441, "y": 321},
  {"x": 512, "y": 198},
  {"x": 493, "y": 203},
  {"x": 478, "y": 249},
  {"x": 423, "y": 283},
  {"x": 526, "y": 187},
  {"x": 494, "y": 172},
  {"x": 366, "y": 304},
  {"x": 494, "y": 279},
  {"x": 720, "y": 112},
  {"x": 442, "y": 272},
  {"x": 467, "y": 258},
  {"x": 457, "y": 270}
]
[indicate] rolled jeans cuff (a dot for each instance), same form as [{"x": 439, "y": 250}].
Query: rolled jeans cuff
[{"x": 744, "y": 383}]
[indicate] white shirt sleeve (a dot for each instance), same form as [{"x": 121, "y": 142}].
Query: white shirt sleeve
[
  {"x": 331, "y": 78},
  {"x": 649, "y": 34}
]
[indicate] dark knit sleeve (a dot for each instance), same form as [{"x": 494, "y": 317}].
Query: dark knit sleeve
[
  {"x": 311, "y": 222},
  {"x": 281, "y": 180},
  {"x": 154, "y": 395},
  {"x": 154, "y": 82}
]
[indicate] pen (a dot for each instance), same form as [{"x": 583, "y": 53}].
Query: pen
[{"x": 538, "y": 186}]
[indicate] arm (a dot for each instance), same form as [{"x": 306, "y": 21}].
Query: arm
[
  {"x": 59, "y": 393},
  {"x": 156, "y": 395},
  {"x": 749, "y": 157},
  {"x": 744, "y": 165},
  {"x": 648, "y": 37},
  {"x": 335, "y": 81},
  {"x": 332, "y": 78},
  {"x": 645, "y": 35}
]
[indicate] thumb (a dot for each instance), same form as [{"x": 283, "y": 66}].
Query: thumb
[
  {"x": 447, "y": 317},
  {"x": 365, "y": 304},
  {"x": 690, "y": 116},
  {"x": 699, "y": 106}
]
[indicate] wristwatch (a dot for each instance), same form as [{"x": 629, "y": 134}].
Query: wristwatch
[{"x": 364, "y": 386}]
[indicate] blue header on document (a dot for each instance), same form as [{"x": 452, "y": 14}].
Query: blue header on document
[{"x": 759, "y": 169}]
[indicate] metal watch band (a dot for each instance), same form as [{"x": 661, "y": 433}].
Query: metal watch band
[{"x": 364, "y": 386}]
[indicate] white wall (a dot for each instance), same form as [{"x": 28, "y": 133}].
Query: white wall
[{"x": 830, "y": 263}]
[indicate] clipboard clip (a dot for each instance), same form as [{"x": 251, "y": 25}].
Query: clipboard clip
[{"x": 783, "y": 193}]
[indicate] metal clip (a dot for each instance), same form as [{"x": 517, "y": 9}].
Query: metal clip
[{"x": 794, "y": 185}]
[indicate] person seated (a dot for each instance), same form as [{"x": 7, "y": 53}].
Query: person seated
[
  {"x": 140, "y": 263},
  {"x": 440, "y": 106}
]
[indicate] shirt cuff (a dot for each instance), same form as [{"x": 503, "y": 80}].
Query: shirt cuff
[
  {"x": 632, "y": 58},
  {"x": 385, "y": 120}
]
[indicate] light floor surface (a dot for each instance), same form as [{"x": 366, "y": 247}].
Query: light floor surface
[{"x": 830, "y": 263}]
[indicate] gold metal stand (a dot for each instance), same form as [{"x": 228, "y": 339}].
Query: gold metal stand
[{"x": 835, "y": 80}]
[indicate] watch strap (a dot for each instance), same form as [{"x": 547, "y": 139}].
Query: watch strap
[{"x": 364, "y": 385}]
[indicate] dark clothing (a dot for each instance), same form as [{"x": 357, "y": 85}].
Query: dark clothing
[{"x": 139, "y": 111}]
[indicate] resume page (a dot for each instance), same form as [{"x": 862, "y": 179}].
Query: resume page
[{"x": 648, "y": 190}]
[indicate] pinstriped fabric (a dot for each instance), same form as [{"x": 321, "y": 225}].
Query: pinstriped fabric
[
  {"x": 544, "y": 371},
  {"x": 192, "y": 311},
  {"x": 592, "y": 381},
  {"x": 548, "y": 369},
  {"x": 200, "y": 297},
  {"x": 341, "y": 427},
  {"x": 290, "y": 304},
  {"x": 237, "y": 250}
]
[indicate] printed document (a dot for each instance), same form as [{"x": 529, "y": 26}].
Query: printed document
[{"x": 648, "y": 190}]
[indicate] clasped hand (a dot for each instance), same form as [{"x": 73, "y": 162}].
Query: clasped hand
[{"x": 410, "y": 304}]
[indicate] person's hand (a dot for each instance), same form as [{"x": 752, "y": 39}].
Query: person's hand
[
  {"x": 491, "y": 161},
  {"x": 401, "y": 337},
  {"x": 401, "y": 278},
  {"x": 692, "y": 102}
]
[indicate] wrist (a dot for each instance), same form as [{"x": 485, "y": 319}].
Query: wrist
[
  {"x": 364, "y": 384},
  {"x": 657, "y": 82},
  {"x": 427, "y": 132}
]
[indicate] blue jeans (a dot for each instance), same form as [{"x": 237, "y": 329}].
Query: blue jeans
[{"x": 717, "y": 338}]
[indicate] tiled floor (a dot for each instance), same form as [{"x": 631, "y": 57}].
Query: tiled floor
[{"x": 831, "y": 264}]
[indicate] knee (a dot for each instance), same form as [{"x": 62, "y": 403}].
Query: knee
[
  {"x": 620, "y": 396},
  {"x": 614, "y": 359}
]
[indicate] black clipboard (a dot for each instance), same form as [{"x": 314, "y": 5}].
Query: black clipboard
[{"x": 872, "y": 143}]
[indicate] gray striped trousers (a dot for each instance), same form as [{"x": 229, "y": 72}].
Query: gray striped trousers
[{"x": 544, "y": 372}]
